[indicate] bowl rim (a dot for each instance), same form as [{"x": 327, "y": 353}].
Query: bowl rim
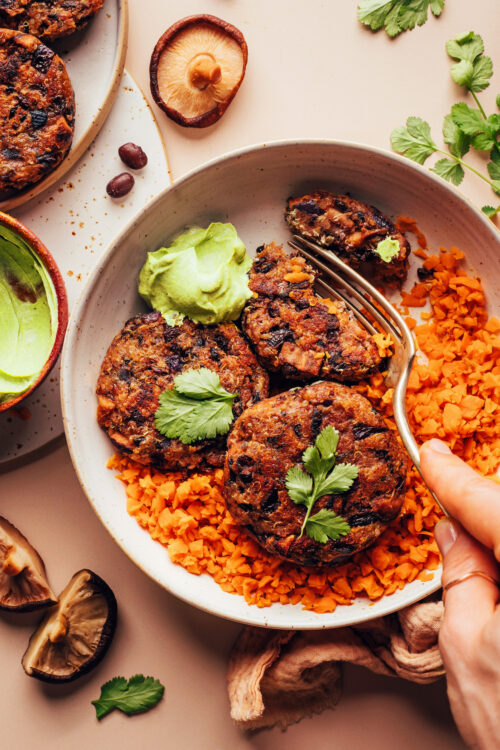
[
  {"x": 8, "y": 221},
  {"x": 113, "y": 248}
]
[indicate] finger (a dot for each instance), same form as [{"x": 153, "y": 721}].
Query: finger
[
  {"x": 470, "y": 498},
  {"x": 470, "y": 603}
]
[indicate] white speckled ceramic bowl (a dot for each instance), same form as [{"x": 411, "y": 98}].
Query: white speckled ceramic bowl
[{"x": 248, "y": 188}]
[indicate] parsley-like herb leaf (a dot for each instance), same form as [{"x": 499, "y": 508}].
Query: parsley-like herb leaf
[
  {"x": 397, "y": 15},
  {"x": 464, "y": 126},
  {"x": 415, "y": 140},
  {"x": 325, "y": 525},
  {"x": 321, "y": 478},
  {"x": 196, "y": 408},
  {"x": 132, "y": 697}
]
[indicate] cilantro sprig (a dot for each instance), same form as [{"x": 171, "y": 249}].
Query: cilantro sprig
[
  {"x": 322, "y": 477},
  {"x": 397, "y": 15},
  {"x": 465, "y": 127},
  {"x": 197, "y": 407},
  {"x": 132, "y": 696}
]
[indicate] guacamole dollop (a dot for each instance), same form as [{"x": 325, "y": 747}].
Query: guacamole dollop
[
  {"x": 387, "y": 249},
  {"x": 28, "y": 315},
  {"x": 202, "y": 275}
]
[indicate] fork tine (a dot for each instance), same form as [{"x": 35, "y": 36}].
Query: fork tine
[
  {"x": 402, "y": 359},
  {"x": 344, "y": 298},
  {"x": 386, "y": 324}
]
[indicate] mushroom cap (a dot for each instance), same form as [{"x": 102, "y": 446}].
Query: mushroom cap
[
  {"x": 74, "y": 636},
  {"x": 196, "y": 69},
  {"x": 23, "y": 580}
]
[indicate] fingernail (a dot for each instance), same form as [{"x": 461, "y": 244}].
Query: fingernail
[
  {"x": 438, "y": 446},
  {"x": 446, "y": 535}
]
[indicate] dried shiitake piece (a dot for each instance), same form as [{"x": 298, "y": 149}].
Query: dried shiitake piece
[
  {"x": 196, "y": 69},
  {"x": 23, "y": 580},
  {"x": 74, "y": 636}
]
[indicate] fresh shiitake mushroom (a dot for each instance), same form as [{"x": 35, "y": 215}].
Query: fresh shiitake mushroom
[
  {"x": 23, "y": 580},
  {"x": 196, "y": 69},
  {"x": 74, "y": 636}
]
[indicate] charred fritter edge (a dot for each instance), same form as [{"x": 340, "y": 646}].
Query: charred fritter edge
[
  {"x": 48, "y": 20},
  {"x": 37, "y": 110},
  {"x": 298, "y": 333},
  {"x": 143, "y": 360},
  {"x": 351, "y": 228},
  {"x": 271, "y": 436}
]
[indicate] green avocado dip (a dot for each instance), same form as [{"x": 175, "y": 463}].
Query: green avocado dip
[
  {"x": 28, "y": 315},
  {"x": 202, "y": 275},
  {"x": 387, "y": 249}
]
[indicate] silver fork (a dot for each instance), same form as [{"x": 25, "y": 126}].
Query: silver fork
[{"x": 404, "y": 344}]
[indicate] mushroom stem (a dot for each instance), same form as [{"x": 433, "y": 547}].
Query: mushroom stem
[
  {"x": 14, "y": 563},
  {"x": 203, "y": 72},
  {"x": 58, "y": 629}
]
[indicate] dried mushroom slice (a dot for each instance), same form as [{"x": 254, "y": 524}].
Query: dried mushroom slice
[
  {"x": 196, "y": 69},
  {"x": 23, "y": 580},
  {"x": 75, "y": 635}
]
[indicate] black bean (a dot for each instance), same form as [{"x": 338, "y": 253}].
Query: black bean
[
  {"x": 10, "y": 153},
  {"x": 120, "y": 185},
  {"x": 309, "y": 207},
  {"x": 133, "y": 156},
  {"x": 221, "y": 342},
  {"x": 297, "y": 429},
  {"x": 42, "y": 58},
  {"x": 425, "y": 273},
  {"x": 174, "y": 362},
  {"x": 316, "y": 423},
  {"x": 214, "y": 354},
  {"x": 270, "y": 503},
  {"x": 38, "y": 118},
  {"x": 362, "y": 519},
  {"x": 362, "y": 431}
]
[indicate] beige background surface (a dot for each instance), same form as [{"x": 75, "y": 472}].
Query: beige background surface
[{"x": 313, "y": 71}]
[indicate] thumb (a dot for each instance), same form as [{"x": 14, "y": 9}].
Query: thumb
[
  {"x": 470, "y": 498},
  {"x": 463, "y": 555}
]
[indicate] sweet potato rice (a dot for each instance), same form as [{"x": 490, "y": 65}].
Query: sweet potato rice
[{"x": 455, "y": 396}]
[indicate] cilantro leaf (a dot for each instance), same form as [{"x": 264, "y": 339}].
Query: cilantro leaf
[
  {"x": 467, "y": 118},
  {"x": 498, "y": 101},
  {"x": 321, "y": 478},
  {"x": 135, "y": 696},
  {"x": 449, "y": 170},
  {"x": 327, "y": 442},
  {"x": 414, "y": 141},
  {"x": 397, "y": 15},
  {"x": 458, "y": 142},
  {"x": 473, "y": 70},
  {"x": 339, "y": 480},
  {"x": 325, "y": 525},
  {"x": 489, "y": 211},
  {"x": 493, "y": 166},
  {"x": 196, "y": 408},
  {"x": 200, "y": 384},
  {"x": 299, "y": 485}
]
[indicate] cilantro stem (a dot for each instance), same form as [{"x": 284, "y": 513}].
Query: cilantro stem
[
  {"x": 464, "y": 164},
  {"x": 483, "y": 113}
]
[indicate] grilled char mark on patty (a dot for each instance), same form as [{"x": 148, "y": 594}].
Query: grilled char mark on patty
[
  {"x": 48, "y": 20},
  {"x": 143, "y": 360},
  {"x": 352, "y": 229},
  {"x": 296, "y": 332},
  {"x": 264, "y": 444},
  {"x": 37, "y": 110}
]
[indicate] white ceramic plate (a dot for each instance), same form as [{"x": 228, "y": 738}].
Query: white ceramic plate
[
  {"x": 94, "y": 57},
  {"x": 248, "y": 188},
  {"x": 77, "y": 221}
]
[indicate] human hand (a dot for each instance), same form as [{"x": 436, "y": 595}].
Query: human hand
[{"x": 470, "y": 635}]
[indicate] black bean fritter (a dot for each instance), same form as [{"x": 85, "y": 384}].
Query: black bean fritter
[
  {"x": 296, "y": 332},
  {"x": 48, "y": 19},
  {"x": 37, "y": 110},
  {"x": 271, "y": 436},
  {"x": 351, "y": 229},
  {"x": 143, "y": 360}
]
